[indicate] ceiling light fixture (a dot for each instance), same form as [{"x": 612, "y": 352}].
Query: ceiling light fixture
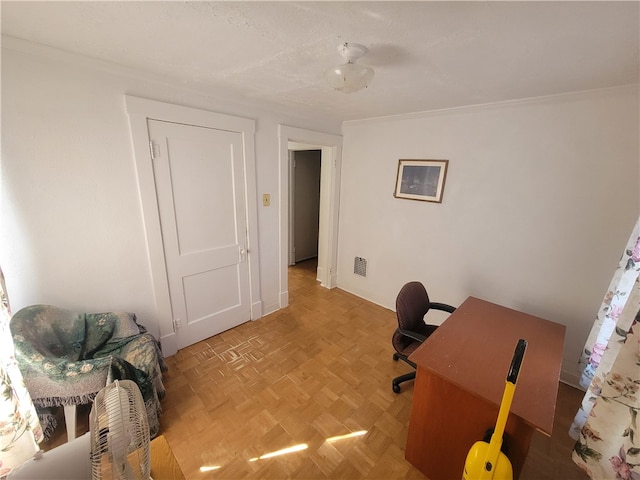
[{"x": 351, "y": 76}]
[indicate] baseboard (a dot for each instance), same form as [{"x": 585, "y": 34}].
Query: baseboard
[
  {"x": 320, "y": 275},
  {"x": 570, "y": 378},
  {"x": 284, "y": 301},
  {"x": 256, "y": 310},
  {"x": 331, "y": 278},
  {"x": 169, "y": 344}
]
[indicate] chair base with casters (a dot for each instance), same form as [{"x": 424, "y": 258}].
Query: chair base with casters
[{"x": 395, "y": 383}]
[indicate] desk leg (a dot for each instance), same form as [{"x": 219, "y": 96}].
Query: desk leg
[{"x": 446, "y": 421}]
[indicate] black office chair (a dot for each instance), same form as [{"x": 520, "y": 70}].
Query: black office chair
[{"x": 412, "y": 304}]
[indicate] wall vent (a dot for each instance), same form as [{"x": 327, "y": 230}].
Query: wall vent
[{"x": 360, "y": 266}]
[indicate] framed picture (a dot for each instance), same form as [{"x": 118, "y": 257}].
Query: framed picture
[{"x": 421, "y": 180}]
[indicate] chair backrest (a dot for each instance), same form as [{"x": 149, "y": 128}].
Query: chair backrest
[{"x": 412, "y": 304}]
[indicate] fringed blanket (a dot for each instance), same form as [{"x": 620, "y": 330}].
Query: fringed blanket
[{"x": 67, "y": 357}]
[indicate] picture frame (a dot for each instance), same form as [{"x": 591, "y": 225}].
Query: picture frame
[{"x": 421, "y": 180}]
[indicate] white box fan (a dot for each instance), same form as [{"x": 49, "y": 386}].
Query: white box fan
[{"x": 119, "y": 434}]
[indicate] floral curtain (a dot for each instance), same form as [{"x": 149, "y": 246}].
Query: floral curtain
[
  {"x": 606, "y": 426},
  {"x": 20, "y": 430}
]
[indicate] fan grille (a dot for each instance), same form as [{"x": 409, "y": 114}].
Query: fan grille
[{"x": 119, "y": 433}]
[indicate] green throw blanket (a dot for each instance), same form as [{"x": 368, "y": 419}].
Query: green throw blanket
[{"x": 67, "y": 357}]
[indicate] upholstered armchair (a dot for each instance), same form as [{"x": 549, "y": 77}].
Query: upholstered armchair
[{"x": 66, "y": 357}]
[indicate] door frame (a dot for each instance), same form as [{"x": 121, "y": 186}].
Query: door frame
[
  {"x": 331, "y": 147},
  {"x": 140, "y": 110}
]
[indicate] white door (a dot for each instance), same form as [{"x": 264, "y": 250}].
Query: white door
[{"x": 200, "y": 188}]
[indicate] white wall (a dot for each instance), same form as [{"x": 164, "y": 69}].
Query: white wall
[
  {"x": 541, "y": 196},
  {"x": 72, "y": 232}
]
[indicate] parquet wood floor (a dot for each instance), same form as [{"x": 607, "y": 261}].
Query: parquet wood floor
[{"x": 318, "y": 369}]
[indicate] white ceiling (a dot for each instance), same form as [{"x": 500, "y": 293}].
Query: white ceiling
[{"x": 427, "y": 55}]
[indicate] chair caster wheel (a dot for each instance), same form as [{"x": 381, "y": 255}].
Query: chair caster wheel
[
  {"x": 395, "y": 357},
  {"x": 395, "y": 388}
]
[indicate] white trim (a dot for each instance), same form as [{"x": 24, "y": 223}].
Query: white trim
[
  {"x": 331, "y": 146},
  {"x": 169, "y": 112},
  {"x": 140, "y": 110},
  {"x": 633, "y": 87},
  {"x": 291, "y": 255}
]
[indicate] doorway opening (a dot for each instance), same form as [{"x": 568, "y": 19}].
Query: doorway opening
[
  {"x": 330, "y": 147},
  {"x": 302, "y": 279},
  {"x": 304, "y": 205}
]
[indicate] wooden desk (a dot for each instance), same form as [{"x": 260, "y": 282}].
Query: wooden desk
[{"x": 460, "y": 379}]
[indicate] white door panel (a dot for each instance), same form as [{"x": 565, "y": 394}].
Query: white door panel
[{"x": 201, "y": 200}]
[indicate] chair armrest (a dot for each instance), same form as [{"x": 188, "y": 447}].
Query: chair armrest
[
  {"x": 442, "y": 306},
  {"x": 413, "y": 335}
]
